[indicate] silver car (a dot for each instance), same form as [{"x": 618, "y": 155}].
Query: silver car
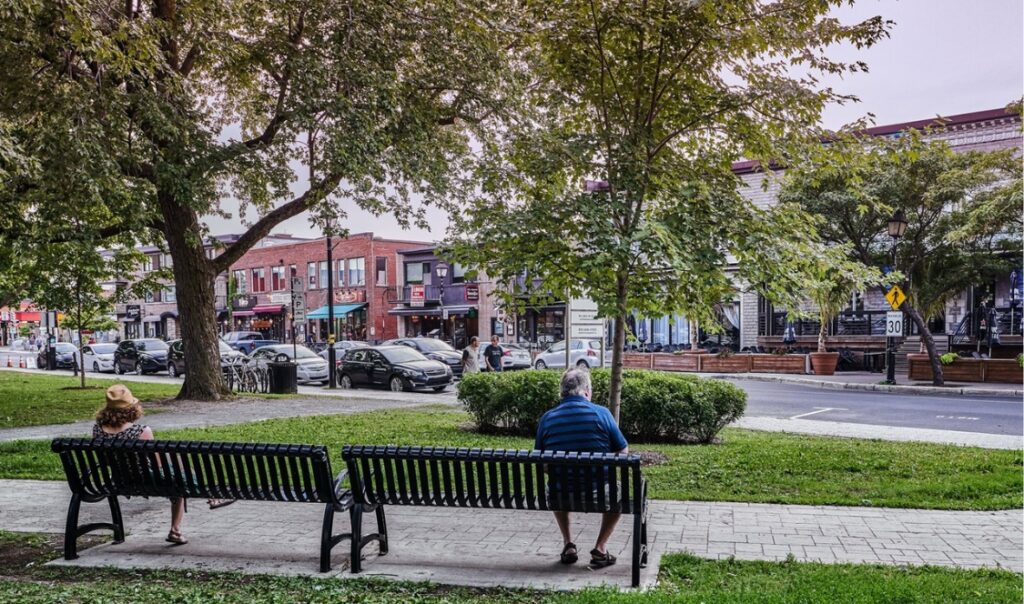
[
  {"x": 513, "y": 356},
  {"x": 309, "y": 367},
  {"x": 98, "y": 358},
  {"x": 584, "y": 353}
]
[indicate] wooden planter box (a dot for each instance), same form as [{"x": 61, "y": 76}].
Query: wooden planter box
[
  {"x": 960, "y": 370},
  {"x": 677, "y": 362},
  {"x": 737, "y": 363},
  {"x": 636, "y": 360},
  {"x": 778, "y": 363},
  {"x": 1006, "y": 371}
]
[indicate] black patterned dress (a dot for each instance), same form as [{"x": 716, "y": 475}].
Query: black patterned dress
[{"x": 132, "y": 432}]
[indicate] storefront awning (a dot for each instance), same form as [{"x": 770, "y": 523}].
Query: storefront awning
[
  {"x": 432, "y": 311},
  {"x": 171, "y": 314},
  {"x": 243, "y": 313},
  {"x": 340, "y": 310},
  {"x": 268, "y": 309},
  {"x": 26, "y": 316},
  {"x": 151, "y": 319}
]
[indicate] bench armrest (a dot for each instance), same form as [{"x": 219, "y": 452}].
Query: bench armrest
[{"x": 337, "y": 481}]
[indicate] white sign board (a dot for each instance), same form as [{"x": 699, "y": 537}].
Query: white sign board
[
  {"x": 284, "y": 298},
  {"x": 893, "y": 324},
  {"x": 297, "y": 283},
  {"x": 299, "y": 304},
  {"x": 583, "y": 320},
  {"x": 586, "y": 332}
]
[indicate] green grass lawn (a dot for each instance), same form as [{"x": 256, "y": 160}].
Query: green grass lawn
[
  {"x": 683, "y": 579},
  {"x": 28, "y": 399},
  {"x": 748, "y": 466}
]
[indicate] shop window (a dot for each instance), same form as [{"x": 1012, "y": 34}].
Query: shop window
[
  {"x": 382, "y": 270},
  {"x": 259, "y": 280},
  {"x": 414, "y": 272},
  {"x": 339, "y": 267},
  {"x": 323, "y": 273},
  {"x": 278, "y": 282},
  {"x": 356, "y": 271},
  {"x": 240, "y": 281},
  {"x": 458, "y": 273},
  {"x": 311, "y": 275}
]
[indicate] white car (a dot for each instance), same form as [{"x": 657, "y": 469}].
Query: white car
[
  {"x": 309, "y": 366},
  {"x": 584, "y": 353},
  {"x": 99, "y": 358},
  {"x": 513, "y": 356}
]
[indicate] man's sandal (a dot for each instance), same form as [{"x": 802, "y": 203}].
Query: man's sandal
[
  {"x": 600, "y": 560},
  {"x": 176, "y": 538},
  {"x": 569, "y": 555},
  {"x": 219, "y": 503}
]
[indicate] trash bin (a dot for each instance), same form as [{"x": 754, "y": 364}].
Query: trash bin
[{"x": 283, "y": 377}]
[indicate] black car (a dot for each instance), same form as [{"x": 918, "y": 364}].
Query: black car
[
  {"x": 147, "y": 355},
  {"x": 65, "y": 356},
  {"x": 397, "y": 367},
  {"x": 176, "y": 357},
  {"x": 433, "y": 349}
]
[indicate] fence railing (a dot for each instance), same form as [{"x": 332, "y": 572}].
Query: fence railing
[{"x": 849, "y": 323}]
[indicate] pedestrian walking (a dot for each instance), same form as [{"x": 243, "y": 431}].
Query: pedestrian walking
[
  {"x": 471, "y": 356},
  {"x": 492, "y": 355}
]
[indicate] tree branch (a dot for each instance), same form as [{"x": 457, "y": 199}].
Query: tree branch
[{"x": 278, "y": 215}]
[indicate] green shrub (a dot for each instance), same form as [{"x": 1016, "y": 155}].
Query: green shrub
[
  {"x": 948, "y": 358},
  {"x": 655, "y": 405}
]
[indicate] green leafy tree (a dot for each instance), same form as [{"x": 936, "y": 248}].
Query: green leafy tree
[
  {"x": 656, "y": 100},
  {"x": 168, "y": 106},
  {"x": 831, "y": 279},
  {"x": 963, "y": 212}
]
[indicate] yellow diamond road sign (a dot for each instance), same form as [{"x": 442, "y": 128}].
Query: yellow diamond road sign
[{"x": 896, "y": 297}]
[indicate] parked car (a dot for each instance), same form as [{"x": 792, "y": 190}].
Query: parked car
[
  {"x": 147, "y": 355},
  {"x": 247, "y": 341},
  {"x": 98, "y": 358},
  {"x": 341, "y": 347},
  {"x": 176, "y": 357},
  {"x": 66, "y": 353},
  {"x": 309, "y": 367},
  {"x": 398, "y": 367},
  {"x": 513, "y": 356},
  {"x": 433, "y": 349},
  {"x": 584, "y": 353}
]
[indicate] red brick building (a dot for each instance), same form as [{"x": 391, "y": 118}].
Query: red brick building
[{"x": 365, "y": 276}]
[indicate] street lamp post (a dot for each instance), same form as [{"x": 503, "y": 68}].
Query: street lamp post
[
  {"x": 897, "y": 226},
  {"x": 332, "y": 370},
  {"x": 441, "y": 270}
]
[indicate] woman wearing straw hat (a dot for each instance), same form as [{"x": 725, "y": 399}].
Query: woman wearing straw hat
[{"x": 117, "y": 421}]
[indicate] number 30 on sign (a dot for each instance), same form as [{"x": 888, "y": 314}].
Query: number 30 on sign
[{"x": 893, "y": 324}]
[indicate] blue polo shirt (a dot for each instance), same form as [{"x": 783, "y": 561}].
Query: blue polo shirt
[{"x": 577, "y": 424}]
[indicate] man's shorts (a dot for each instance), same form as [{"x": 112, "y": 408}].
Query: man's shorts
[{"x": 556, "y": 495}]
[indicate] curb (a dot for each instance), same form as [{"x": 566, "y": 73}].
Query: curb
[{"x": 825, "y": 385}]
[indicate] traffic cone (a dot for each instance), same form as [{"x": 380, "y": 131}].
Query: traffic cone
[
  {"x": 10, "y": 365},
  {"x": 21, "y": 363}
]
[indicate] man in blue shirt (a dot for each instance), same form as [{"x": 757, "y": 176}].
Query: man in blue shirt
[{"x": 577, "y": 424}]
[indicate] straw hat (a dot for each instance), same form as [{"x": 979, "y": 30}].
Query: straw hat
[{"x": 120, "y": 397}]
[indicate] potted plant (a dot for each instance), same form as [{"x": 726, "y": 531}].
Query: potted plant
[{"x": 832, "y": 280}]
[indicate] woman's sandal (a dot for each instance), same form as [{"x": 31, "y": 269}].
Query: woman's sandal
[
  {"x": 569, "y": 555},
  {"x": 219, "y": 503},
  {"x": 600, "y": 560},
  {"x": 176, "y": 538}
]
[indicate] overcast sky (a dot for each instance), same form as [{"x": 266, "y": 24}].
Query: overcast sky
[{"x": 943, "y": 57}]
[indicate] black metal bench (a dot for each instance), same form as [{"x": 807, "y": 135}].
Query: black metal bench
[
  {"x": 108, "y": 469},
  {"x": 499, "y": 479}
]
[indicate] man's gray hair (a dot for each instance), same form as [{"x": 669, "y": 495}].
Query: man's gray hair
[{"x": 575, "y": 382}]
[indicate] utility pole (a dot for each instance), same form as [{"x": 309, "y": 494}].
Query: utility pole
[{"x": 332, "y": 374}]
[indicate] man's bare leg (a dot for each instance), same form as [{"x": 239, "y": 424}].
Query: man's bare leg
[
  {"x": 608, "y": 522},
  {"x": 562, "y": 518}
]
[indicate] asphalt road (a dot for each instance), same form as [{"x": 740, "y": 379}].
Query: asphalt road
[{"x": 991, "y": 415}]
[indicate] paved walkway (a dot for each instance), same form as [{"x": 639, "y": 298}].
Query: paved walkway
[{"x": 496, "y": 548}]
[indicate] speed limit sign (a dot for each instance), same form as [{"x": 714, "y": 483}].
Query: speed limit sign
[{"x": 893, "y": 324}]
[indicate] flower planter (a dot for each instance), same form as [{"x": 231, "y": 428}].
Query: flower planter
[
  {"x": 1007, "y": 371},
  {"x": 737, "y": 363},
  {"x": 779, "y": 363},
  {"x": 960, "y": 370},
  {"x": 635, "y": 360},
  {"x": 824, "y": 363},
  {"x": 676, "y": 362}
]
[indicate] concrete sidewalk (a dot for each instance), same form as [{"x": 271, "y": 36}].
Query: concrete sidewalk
[
  {"x": 520, "y": 549},
  {"x": 869, "y": 382}
]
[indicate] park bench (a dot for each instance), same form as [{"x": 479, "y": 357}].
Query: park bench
[
  {"x": 499, "y": 479},
  {"x": 108, "y": 469}
]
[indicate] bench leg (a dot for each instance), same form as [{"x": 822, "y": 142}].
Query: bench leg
[
  {"x": 638, "y": 529},
  {"x": 326, "y": 538},
  {"x": 71, "y": 529},
  {"x": 356, "y": 514},
  {"x": 382, "y": 530},
  {"x": 115, "y": 516}
]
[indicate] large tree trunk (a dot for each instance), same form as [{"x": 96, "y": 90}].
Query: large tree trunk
[
  {"x": 194, "y": 279},
  {"x": 618, "y": 345},
  {"x": 929, "y": 343}
]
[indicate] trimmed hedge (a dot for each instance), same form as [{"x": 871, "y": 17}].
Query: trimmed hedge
[{"x": 655, "y": 405}]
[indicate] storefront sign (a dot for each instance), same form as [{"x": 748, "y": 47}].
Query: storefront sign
[
  {"x": 282, "y": 298},
  {"x": 244, "y": 302},
  {"x": 472, "y": 292},
  {"x": 133, "y": 311},
  {"x": 349, "y": 296},
  {"x": 417, "y": 296}
]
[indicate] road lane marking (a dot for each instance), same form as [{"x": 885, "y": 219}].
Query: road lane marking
[
  {"x": 819, "y": 410},
  {"x": 961, "y": 417}
]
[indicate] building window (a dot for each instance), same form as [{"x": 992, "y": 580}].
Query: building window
[
  {"x": 323, "y": 273},
  {"x": 356, "y": 271},
  {"x": 239, "y": 277},
  {"x": 339, "y": 274},
  {"x": 278, "y": 282},
  {"x": 170, "y": 295},
  {"x": 458, "y": 273},
  {"x": 152, "y": 296},
  {"x": 414, "y": 272},
  {"x": 166, "y": 261},
  {"x": 382, "y": 270},
  {"x": 293, "y": 270},
  {"x": 259, "y": 280},
  {"x": 147, "y": 264},
  {"x": 311, "y": 275}
]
